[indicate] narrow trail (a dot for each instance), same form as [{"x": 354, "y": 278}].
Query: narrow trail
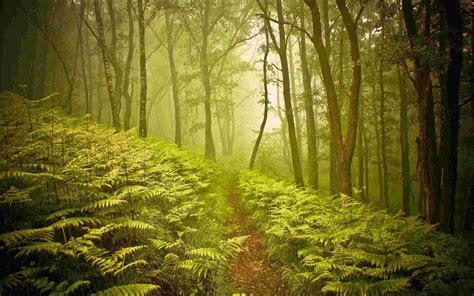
[{"x": 253, "y": 273}]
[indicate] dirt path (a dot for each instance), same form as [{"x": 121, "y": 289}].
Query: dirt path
[{"x": 253, "y": 273}]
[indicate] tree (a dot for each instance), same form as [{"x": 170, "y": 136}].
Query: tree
[
  {"x": 450, "y": 159},
  {"x": 281, "y": 49},
  {"x": 313, "y": 174},
  {"x": 265, "y": 98},
  {"x": 174, "y": 75},
  {"x": 128, "y": 64},
  {"x": 142, "y": 129},
  {"x": 422, "y": 82},
  {"x": 114, "y": 106},
  {"x": 345, "y": 148}
]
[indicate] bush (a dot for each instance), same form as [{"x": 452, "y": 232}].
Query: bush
[
  {"x": 87, "y": 210},
  {"x": 334, "y": 244}
]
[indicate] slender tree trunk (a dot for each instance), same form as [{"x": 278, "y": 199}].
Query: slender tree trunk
[
  {"x": 108, "y": 75},
  {"x": 210, "y": 151},
  {"x": 313, "y": 178},
  {"x": 89, "y": 72},
  {"x": 295, "y": 157},
  {"x": 283, "y": 129},
  {"x": 128, "y": 64},
  {"x": 366, "y": 162},
  {"x": 404, "y": 145},
  {"x": 294, "y": 98},
  {"x": 142, "y": 129},
  {"x": 360, "y": 153},
  {"x": 99, "y": 99},
  {"x": 383, "y": 140},
  {"x": 345, "y": 147},
  {"x": 174, "y": 78},
  {"x": 378, "y": 155},
  {"x": 83, "y": 61},
  {"x": 265, "y": 102},
  {"x": 432, "y": 151},
  {"x": 115, "y": 62}
]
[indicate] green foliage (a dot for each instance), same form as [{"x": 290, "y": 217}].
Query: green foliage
[
  {"x": 134, "y": 290},
  {"x": 87, "y": 210},
  {"x": 332, "y": 244}
]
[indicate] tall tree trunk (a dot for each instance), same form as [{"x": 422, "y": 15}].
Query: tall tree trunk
[
  {"x": 281, "y": 45},
  {"x": 404, "y": 145},
  {"x": 383, "y": 132},
  {"x": 128, "y": 64},
  {"x": 333, "y": 177},
  {"x": 455, "y": 36},
  {"x": 283, "y": 129},
  {"x": 106, "y": 61},
  {"x": 422, "y": 82},
  {"x": 378, "y": 154},
  {"x": 265, "y": 102},
  {"x": 313, "y": 177},
  {"x": 142, "y": 129},
  {"x": 366, "y": 164},
  {"x": 89, "y": 72},
  {"x": 83, "y": 61},
  {"x": 360, "y": 153},
  {"x": 294, "y": 98},
  {"x": 174, "y": 78},
  {"x": 210, "y": 151},
  {"x": 345, "y": 147},
  {"x": 432, "y": 150},
  {"x": 99, "y": 99}
]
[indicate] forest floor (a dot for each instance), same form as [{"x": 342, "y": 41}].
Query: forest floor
[{"x": 253, "y": 272}]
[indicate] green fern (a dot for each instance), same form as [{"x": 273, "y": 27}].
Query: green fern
[{"x": 132, "y": 290}]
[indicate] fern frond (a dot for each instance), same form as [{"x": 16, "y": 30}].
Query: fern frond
[
  {"x": 75, "y": 222},
  {"x": 52, "y": 248},
  {"x": 122, "y": 253},
  {"x": 103, "y": 204},
  {"x": 42, "y": 234},
  {"x": 132, "y": 290}
]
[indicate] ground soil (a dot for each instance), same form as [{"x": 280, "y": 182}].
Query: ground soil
[{"x": 253, "y": 272}]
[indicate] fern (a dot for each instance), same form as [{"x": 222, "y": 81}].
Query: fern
[
  {"x": 132, "y": 290},
  {"x": 42, "y": 234}
]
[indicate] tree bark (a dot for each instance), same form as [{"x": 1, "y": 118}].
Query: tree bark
[
  {"x": 283, "y": 129},
  {"x": 281, "y": 45},
  {"x": 108, "y": 75},
  {"x": 345, "y": 147},
  {"x": 455, "y": 39},
  {"x": 294, "y": 99},
  {"x": 265, "y": 102},
  {"x": 83, "y": 61},
  {"x": 383, "y": 133},
  {"x": 422, "y": 82},
  {"x": 174, "y": 78},
  {"x": 404, "y": 145},
  {"x": 210, "y": 151},
  {"x": 142, "y": 128},
  {"x": 128, "y": 63},
  {"x": 313, "y": 177}
]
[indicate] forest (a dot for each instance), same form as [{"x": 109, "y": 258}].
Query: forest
[{"x": 237, "y": 147}]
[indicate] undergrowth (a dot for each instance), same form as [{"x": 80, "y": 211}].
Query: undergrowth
[
  {"x": 86, "y": 210},
  {"x": 336, "y": 245}
]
